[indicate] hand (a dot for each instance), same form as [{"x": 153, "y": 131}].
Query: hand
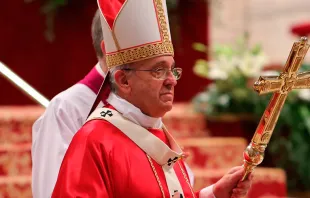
[
  {"x": 230, "y": 186},
  {"x": 185, "y": 153}
]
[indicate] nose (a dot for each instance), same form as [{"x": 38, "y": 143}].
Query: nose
[{"x": 170, "y": 80}]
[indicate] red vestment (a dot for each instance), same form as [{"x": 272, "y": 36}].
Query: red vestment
[{"x": 101, "y": 161}]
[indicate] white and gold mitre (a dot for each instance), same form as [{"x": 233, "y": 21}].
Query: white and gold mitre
[{"x": 134, "y": 30}]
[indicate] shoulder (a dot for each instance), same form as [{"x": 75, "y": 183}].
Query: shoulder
[
  {"x": 69, "y": 107},
  {"x": 101, "y": 136},
  {"x": 76, "y": 101},
  {"x": 101, "y": 131},
  {"x": 97, "y": 128},
  {"x": 76, "y": 96}
]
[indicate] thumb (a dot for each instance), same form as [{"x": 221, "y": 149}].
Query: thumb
[
  {"x": 235, "y": 169},
  {"x": 237, "y": 176}
]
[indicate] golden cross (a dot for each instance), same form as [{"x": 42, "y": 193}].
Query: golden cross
[{"x": 280, "y": 85}]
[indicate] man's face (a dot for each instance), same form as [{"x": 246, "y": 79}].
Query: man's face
[{"x": 153, "y": 96}]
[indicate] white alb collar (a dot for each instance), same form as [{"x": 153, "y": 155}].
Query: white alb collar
[{"x": 133, "y": 113}]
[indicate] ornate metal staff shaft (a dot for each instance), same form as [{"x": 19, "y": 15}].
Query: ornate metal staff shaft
[
  {"x": 281, "y": 86},
  {"x": 23, "y": 85}
]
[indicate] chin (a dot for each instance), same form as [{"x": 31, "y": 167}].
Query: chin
[
  {"x": 167, "y": 106},
  {"x": 163, "y": 109}
]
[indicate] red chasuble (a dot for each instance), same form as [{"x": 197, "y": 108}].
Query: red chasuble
[{"x": 101, "y": 161}]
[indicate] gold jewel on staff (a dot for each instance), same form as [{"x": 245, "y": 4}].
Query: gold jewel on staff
[{"x": 280, "y": 86}]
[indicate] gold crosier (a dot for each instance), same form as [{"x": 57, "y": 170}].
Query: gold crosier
[{"x": 280, "y": 85}]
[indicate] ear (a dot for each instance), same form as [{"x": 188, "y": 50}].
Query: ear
[
  {"x": 103, "y": 59},
  {"x": 122, "y": 81}
]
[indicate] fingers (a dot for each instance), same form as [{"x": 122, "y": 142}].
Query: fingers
[
  {"x": 238, "y": 193},
  {"x": 235, "y": 169},
  {"x": 249, "y": 177},
  {"x": 242, "y": 188},
  {"x": 235, "y": 178},
  {"x": 244, "y": 185},
  {"x": 185, "y": 154},
  {"x": 236, "y": 174}
]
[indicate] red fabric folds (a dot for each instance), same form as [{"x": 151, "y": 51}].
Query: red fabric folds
[{"x": 110, "y": 9}]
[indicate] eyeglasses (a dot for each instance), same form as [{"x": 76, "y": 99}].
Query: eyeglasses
[{"x": 161, "y": 73}]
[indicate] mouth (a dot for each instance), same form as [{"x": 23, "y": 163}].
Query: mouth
[
  {"x": 166, "y": 97},
  {"x": 168, "y": 93}
]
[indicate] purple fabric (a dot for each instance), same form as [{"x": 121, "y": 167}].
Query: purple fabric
[{"x": 93, "y": 80}]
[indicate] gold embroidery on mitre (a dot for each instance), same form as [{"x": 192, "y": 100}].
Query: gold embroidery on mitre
[
  {"x": 113, "y": 33},
  {"x": 162, "y": 21},
  {"x": 146, "y": 51},
  {"x": 139, "y": 53}
]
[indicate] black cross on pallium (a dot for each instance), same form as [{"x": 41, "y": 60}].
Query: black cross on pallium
[
  {"x": 181, "y": 196},
  {"x": 171, "y": 161},
  {"x": 104, "y": 114}
]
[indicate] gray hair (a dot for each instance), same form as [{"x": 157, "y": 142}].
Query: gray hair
[
  {"x": 112, "y": 77},
  {"x": 96, "y": 34}
]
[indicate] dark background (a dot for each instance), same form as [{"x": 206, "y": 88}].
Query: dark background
[{"x": 51, "y": 67}]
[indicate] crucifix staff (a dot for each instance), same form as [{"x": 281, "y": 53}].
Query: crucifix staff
[{"x": 280, "y": 85}]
